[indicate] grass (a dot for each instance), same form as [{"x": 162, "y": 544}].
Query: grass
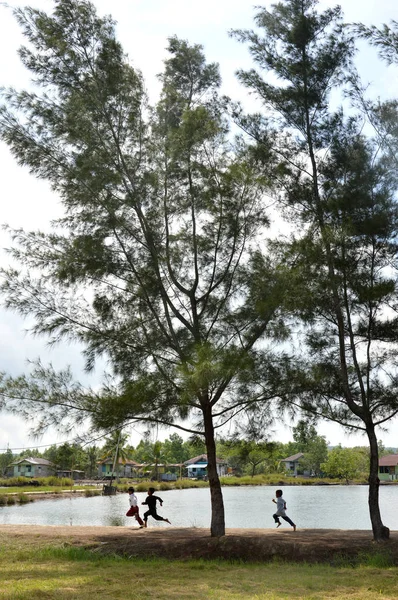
[
  {"x": 276, "y": 479},
  {"x": 74, "y": 573}
]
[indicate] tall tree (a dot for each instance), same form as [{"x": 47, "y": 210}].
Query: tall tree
[
  {"x": 345, "y": 463},
  {"x": 6, "y": 459},
  {"x": 339, "y": 190},
  {"x": 313, "y": 446},
  {"x": 156, "y": 262},
  {"x": 91, "y": 458},
  {"x": 174, "y": 449}
]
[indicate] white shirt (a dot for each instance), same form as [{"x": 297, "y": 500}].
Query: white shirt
[
  {"x": 133, "y": 500},
  {"x": 280, "y": 506}
]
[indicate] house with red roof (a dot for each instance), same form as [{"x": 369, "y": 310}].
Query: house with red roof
[{"x": 388, "y": 467}]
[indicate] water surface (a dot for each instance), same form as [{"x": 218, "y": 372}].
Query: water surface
[{"x": 330, "y": 507}]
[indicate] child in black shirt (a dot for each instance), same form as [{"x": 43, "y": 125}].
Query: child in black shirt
[{"x": 151, "y": 512}]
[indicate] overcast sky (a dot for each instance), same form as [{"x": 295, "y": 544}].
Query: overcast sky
[{"x": 143, "y": 28}]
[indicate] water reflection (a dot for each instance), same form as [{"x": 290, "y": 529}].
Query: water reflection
[{"x": 330, "y": 507}]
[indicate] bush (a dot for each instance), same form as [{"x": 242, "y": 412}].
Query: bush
[
  {"x": 164, "y": 485},
  {"x": 52, "y": 481},
  {"x": 24, "y": 498},
  {"x": 90, "y": 493},
  {"x": 183, "y": 484},
  {"x": 143, "y": 487}
]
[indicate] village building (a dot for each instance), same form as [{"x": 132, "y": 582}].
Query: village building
[
  {"x": 123, "y": 468},
  {"x": 388, "y": 468},
  {"x": 293, "y": 467},
  {"x": 197, "y": 467},
  {"x": 32, "y": 467}
]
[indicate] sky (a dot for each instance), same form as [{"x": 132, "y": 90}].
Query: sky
[{"x": 143, "y": 27}]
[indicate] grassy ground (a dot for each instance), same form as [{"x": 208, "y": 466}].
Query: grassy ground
[
  {"x": 67, "y": 573},
  {"x": 31, "y": 490}
]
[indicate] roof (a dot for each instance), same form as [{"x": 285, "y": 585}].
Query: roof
[
  {"x": 202, "y": 458},
  {"x": 389, "y": 461},
  {"x": 293, "y": 458},
  {"x": 33, "y": 461}
]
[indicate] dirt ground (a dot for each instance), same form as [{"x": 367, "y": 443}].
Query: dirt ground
[{"x": 310, "y": 545}]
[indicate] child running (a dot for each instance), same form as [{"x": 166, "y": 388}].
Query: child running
[
  {"x": 134, "y": 510},
  {"x": 280, "y": 510},
  {"x": 151, "y": 512}
]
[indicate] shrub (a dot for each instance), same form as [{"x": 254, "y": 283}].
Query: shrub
[
  {"x": 90, "y": 493},
  {"x": 143, "y": 487},
  {"x": 183, "y": 484},
  {"x": 163, "y": 485},
  {"x": 24, "y": 498}
]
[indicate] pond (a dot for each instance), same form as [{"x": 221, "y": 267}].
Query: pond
[{"x": 324, "y": 507}]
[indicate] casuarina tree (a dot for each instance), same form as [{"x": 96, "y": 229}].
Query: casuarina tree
[
  {"x": 337, "y": 187},
  {"x": 155, "y": 264}
]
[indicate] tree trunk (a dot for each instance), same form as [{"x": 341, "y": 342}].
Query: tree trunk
[
  {"x": 217, "y": 503},
  {"x": 380, "y": 531}
]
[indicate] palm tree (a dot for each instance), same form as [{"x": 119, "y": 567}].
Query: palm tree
[{"x": 115, "y": 447}]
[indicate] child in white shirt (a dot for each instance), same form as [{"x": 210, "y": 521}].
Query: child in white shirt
[{"x": 280, "y": 510}]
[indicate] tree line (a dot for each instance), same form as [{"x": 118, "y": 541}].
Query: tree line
[
  {"x": 164, "y": 261},
  {"x": 243, "y": 457}
]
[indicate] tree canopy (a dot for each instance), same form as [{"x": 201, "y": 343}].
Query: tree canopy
[
  {"x": 156, "y": 263},
  {"x": 338, "y": 186}
]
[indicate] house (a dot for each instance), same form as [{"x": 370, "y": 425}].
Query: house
[
  {"x": 74, "y": 474},
  {"x": 32, "y": 467},
  {"x": 291, "y": 463},
  {"x": 124, "y": 468},
  {"x": 197, "y": 467},
  {"x": 388, "y": 468}
]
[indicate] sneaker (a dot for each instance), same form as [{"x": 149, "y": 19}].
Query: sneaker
[
  {"x": 167, "y": 521},
  {"x": 294, "y": 528},
  {"x": 278, "y": 525}
]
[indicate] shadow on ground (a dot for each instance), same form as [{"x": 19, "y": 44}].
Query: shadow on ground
[{"x": 254, "y": 545}]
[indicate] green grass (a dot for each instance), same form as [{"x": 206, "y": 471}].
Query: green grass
[
  {"x": 42, "y": 481},
  {"x": 66, "y": 573},
  {"x": 276, "y": 479},
  {"x": 45, "y": 488}
]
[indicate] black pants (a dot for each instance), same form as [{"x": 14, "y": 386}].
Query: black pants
[
  {"x": 152, "y": 513},
  {"x": 276, "y": 519}
]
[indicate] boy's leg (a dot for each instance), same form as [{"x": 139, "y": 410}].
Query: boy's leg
[
  {"x": 276, "y": 519},
  {"x": 138, "y": 518},
  {"x": 146, "y": 515},
  {"x": 290, "y": 522},
  {"x": 157, "y": 517}
]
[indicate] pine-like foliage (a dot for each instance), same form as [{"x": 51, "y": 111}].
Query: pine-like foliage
[
  {"x": 338, "y": 187},
  {"x": 156, "y": 264}
]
